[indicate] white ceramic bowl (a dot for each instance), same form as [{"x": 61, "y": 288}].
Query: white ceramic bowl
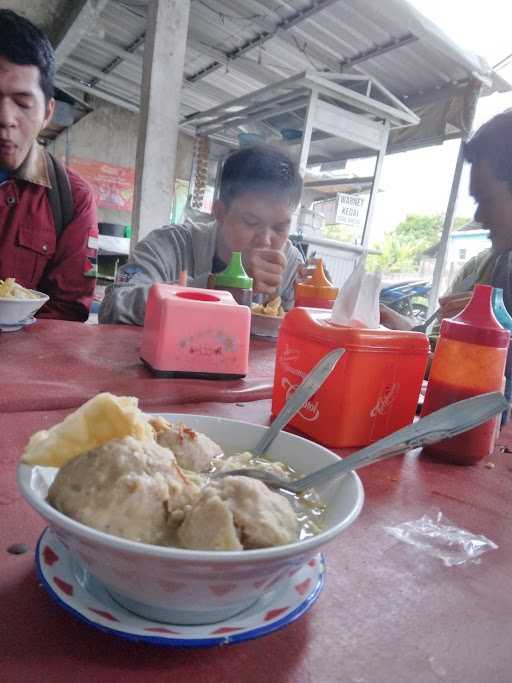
[
  {"x": 195, "y": 586},
  {"x": 13, "y": 310}
]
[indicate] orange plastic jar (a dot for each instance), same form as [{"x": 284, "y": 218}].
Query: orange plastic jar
[
  {"x": 469, "y": 360},
  {"x": 373, "y": 389},
  {"x": 317, "y": 291}
]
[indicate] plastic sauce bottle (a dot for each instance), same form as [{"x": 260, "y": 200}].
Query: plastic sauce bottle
[
  {"x": 317, "y": 291},
  {"x": 235, "y": 280},
  {"x": 469, "y": 360},
  {"x": 505, "y": 319}
]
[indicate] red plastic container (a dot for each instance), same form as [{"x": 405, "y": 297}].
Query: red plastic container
[
  {"x": 469, "y": 360},
  {"x": 191, "y": 332},
  {"x": 373, "y": 390}
]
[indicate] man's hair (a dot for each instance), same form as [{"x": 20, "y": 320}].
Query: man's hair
[
  {"x": 23, "y": 43},
  {"x": 261, "y": 168},
  {"x": 493, "y": 142}
]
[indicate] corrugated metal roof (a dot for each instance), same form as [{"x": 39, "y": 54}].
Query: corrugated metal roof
[{"x": 237, "y": 46}]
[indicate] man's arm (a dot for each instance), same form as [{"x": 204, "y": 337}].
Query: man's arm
[
  {"x": 455, "y": 299},
  {"x": 477, "y": 269},
  {"x": 394, "y": 320},
  {"x": 160, "y": 257},
  {"x": 64, "y": 279}
]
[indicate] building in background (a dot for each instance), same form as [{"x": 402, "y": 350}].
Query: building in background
[{"x": 463, "y": 245}]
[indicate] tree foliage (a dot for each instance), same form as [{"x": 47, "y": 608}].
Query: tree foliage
[{"x": 403, "y": 248}]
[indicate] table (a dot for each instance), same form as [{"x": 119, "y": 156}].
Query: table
[
  {"x": 56, "y": 364},
  {"x": 388, "y": 613}
]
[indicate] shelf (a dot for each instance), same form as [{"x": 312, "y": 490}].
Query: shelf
[{"x": 115, "y": 246}]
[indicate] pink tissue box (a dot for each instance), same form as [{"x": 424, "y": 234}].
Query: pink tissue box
[{"x": 192, "y": 332}]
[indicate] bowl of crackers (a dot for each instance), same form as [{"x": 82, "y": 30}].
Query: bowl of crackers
[
  {"x": 18, "y": 303},
  {"x": 266, "y": 318}
]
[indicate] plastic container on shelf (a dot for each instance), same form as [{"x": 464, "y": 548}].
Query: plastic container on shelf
[
  {"x": 317, "y": 291},
  {"x": 235, "y": 280},
  {"x": 469, "y": 360},
  {"x": 112, "y": 229},
  {"x": 372, "y": 391}
]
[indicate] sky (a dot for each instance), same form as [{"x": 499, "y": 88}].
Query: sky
[{"x": 420, "y": 181}]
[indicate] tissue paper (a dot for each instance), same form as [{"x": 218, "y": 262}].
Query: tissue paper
[{"x": 357, "y": 304}]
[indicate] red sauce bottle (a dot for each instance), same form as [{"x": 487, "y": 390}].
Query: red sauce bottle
[
  {"x": 317, "y": 291},
  {"x": 469, "y": 360}
]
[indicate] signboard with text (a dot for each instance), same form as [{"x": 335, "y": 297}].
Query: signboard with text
[
  {"x": 351, "y": 209},
  {"x": 112, "y": 185}
]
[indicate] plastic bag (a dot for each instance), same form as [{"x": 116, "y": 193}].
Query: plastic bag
[
  {"x": 438, "y": 537},
  {"x": 357, "y": 303}
]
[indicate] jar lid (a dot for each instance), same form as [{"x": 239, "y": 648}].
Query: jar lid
[
  {"x": 477, "y": 324},
  {"x": 317, "y": 285},
  {"x": 234, "y": 275}
]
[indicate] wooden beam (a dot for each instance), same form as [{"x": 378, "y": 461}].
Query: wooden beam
[
  {"x": 296, "y": 18},
  {"x": 335, "y": 182},
  {"x": 120, "y": 102},
  {"x": 81, "y": 19}
]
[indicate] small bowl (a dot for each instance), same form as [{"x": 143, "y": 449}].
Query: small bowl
[
  {"x": 180, "y": 586},
  {"x": 16, "y": 327},
  {"x": 14, "y": 310},
  {"x": 265, "y": 325}
]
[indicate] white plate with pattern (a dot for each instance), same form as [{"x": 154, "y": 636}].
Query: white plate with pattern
[{"x": 81, "y": 594}]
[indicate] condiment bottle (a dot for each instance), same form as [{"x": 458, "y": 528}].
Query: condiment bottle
[
  {"x": 235, "y": 280},
  {"x": 469, "y": 360},
  {"x": 505, "y": 319},
  {"x": 317, "y": 291}
]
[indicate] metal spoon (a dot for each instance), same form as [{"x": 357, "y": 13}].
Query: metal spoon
[
  {"x": 441, "y": 424},
  {"x": 422, "y": 327},
  {"x": 311, "y": 383}
]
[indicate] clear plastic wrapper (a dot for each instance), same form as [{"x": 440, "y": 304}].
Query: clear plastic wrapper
[{"x": 438, "y": 537}]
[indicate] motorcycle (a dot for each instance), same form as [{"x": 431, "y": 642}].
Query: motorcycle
[{"x": 409, "y": 298}]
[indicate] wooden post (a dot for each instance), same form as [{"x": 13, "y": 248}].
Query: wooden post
[
  {"x": 365, "y": 237},
  {"x": 304, "y": 153},
  {"x": 162, "y": 76},
  {"x": 445, "y": 235},
  {"x": 474, "y": 94},
  {"x": 307, "y": 132}
]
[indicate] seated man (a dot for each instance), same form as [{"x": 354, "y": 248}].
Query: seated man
[
  {"x": 489, "y": 152},
  {"x": 41, "y": 254},
  {"x": 259, "y": 189}
]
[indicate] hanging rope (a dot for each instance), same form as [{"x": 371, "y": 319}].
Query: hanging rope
[{"x": 200, "y": 165}]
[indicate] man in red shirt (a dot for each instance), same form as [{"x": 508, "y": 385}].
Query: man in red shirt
[{"x": 30, "y": 248}]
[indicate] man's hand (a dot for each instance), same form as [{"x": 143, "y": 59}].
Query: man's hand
[
  {"x": 393, "y": 320},
  {"x": 453, "y": 304},
  {"x": 266, "y": 267}
]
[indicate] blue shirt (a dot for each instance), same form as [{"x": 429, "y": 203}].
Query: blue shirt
[{"x": 4, "y": 175}]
